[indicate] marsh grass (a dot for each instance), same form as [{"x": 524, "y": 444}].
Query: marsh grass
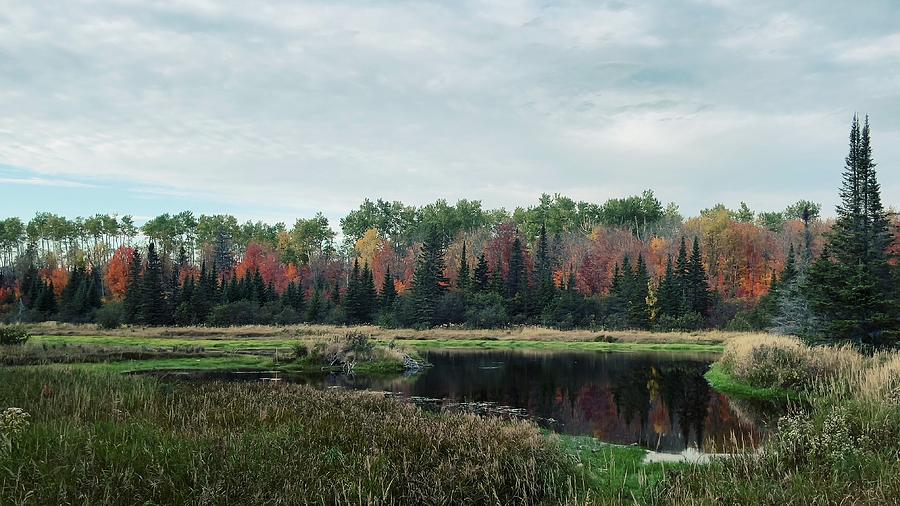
[
  {"x": 64, "y": 353},
  {"x": 514, "y": 333},
  {"x": 839, "y": 443},
  {"x": 98, "y": 438}
]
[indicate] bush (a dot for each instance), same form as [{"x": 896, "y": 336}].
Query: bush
[
  {"x": 450, "y": 309},
  {"x": 487, "y": 311},
  {"x": 110, "y": 315},
  {"x": 13, "y": 334},
  {"x": 236, "y": 313},
  {"x": 287, "y": 317},
  {"x": 299, "y": 350},
  {"x": 686, "y": 323}
]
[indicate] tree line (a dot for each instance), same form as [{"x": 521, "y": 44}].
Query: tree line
[{"x": 627, "y": 263}]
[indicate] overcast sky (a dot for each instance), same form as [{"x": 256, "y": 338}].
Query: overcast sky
[{"x": 276, "y": 109}]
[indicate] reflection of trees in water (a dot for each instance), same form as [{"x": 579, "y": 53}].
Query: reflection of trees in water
[
  {"x": 657, "y": 400},
  {"x": 678, "y": 393}
]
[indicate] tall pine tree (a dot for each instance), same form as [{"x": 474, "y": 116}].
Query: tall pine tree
[{"x": 850, "y": 286}]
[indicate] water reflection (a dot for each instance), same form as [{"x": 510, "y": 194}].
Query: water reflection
[{"x": 658, "y": 400}]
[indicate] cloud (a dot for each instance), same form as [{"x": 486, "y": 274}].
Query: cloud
[
  {"x": 38, "y": 181},
  {"x": 284, "y": 107},
  {"x": 877, "y": 50}
]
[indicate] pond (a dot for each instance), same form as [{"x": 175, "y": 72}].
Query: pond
[{"x": 657, "y": 400}]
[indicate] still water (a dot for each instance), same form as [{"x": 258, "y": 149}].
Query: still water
[{"x": 657, "y": 400}]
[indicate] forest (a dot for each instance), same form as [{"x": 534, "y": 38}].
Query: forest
[{"x": 629, "y": 262}]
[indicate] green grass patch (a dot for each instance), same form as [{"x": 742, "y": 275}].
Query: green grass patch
[
  {"x": 615, "y": 472},
  {"x": 721, "y": 380}
]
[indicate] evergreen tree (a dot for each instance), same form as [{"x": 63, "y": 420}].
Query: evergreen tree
[
  {"x": 368, "y": 294},
  {"x": 638, "y": 307},
  {"x": 336, "y": 294},
  {"x": 497, "y": 284},
  {"x": 681, "y": 277},
  {"x": 429, "y": 283},
  {"x": 850, "y": 287},
  {"x": 544, "y": 272},
  {"x": 699, "y": 298},
  {"x": 463, "y": 276},
  {"x": 153, "y": 307},
  {"x": 314, "y": 308},
  {"x": 388, "y": 291},
  {"x": 132, "y": 302},
  {"x": 668, "y": 302},
  {"x": 482, "y": 280},
  {"x": 46, "y": 303},
  {"x": 517, "y": 289}
]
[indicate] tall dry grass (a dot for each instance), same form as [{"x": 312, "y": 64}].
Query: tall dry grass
[
  {"x": 840, "y": 445},
  {"x": 517, "y": 333},
  {"x": 839, "y": 372}
]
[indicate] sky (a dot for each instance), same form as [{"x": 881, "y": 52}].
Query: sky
[{"x": 275, "y": 110}]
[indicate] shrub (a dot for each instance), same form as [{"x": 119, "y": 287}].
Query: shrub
[
  {"x": 13, "y": 334},
  {"x": 450, "y": 309},
  {"x": 287, "y": 317},
  {"x": 685, "y": 323},
  {"x": 299, "y": 350},
  {"x": 236, "y": 313},
  {"x": 110, "y": 315},
  {"x": 359, "y": 345},
  {"x": 487, "y": 311}
]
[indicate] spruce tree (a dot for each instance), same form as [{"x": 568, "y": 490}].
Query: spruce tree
[
  {"x": 314, "y": 308},
  {"x": 668, "y": 303},
  {"x": 352, "y": 298},
  {"x": 544, "y": 272},
  {"x": 638, "y": 308},
  {"x": 367, "y": 294},
  {"x": 481, "y": 281},
  {"x": 429, "y": 282},
  {"x": 388, "y": 291},
  {"x": 463, "y": 276},
  {"x": 850, "y": 287},
  {"x": 699, "y": 298},
  {"x": 517, "y": 284},
  {"x": 515, "y": 276},
  {"x": 132, "y": 302},
  {"x": 497, "y": 284},
  {"x": 153, "y": 308},
  {"x": 682, "y": 277},
  {"x": 46, "y": 303}
]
